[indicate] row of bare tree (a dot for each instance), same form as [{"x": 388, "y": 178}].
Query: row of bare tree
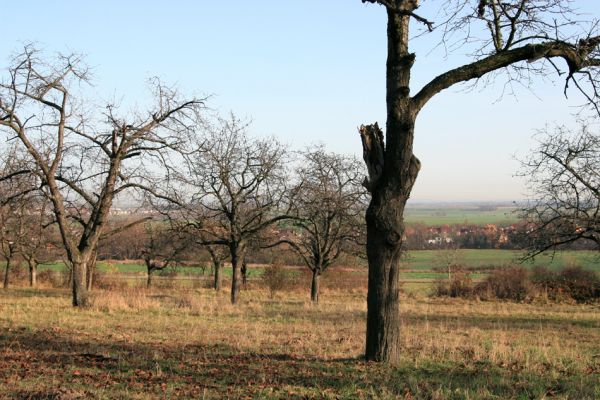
[
  {"x": 207, "y": 182},
  {"x": 83, "y": 160}
]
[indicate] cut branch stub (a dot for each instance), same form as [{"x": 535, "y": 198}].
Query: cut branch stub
[{"x": 373, "y": 153}]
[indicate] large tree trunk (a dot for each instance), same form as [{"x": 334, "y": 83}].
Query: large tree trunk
[
  {"x": 80, "y": 292},
  {"x": 32, "y": 272},
  {"x": 392, "y": 172},
  {"x": 385, "y": 231},
  {"x": 217, "y": 265},
  {"x": 6, "y": 273},
  {"x": 314, "y": 287},
  {"x": 384, "y": 250}
]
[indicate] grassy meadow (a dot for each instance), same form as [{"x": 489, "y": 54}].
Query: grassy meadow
[
  {"x": 474, "y": 259},
  {"x": 182, "y": 340},
  {"x": 191, "y": 343},
  {"x": 416, "y": 260},
  {"x": 451, "y": 214}
]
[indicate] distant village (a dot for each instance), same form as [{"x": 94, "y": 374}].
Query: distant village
[{"x": 470, "y": 236}]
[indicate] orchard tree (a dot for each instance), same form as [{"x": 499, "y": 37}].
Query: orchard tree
[
  {"x": 326, "y": 210},
  {"x": 85, "y": 156},
  {"x": 563, "y": 174},
  {"x": 519, "y": 37},
  {"x": 218, "y": 255},
  {"x": 161, "y": 247},
  {"x": 238, "y": 186},
  {"x": 23, "y": 216},
  {"x": 13, "y": 233},
  {"x": 198, "y": 229}
]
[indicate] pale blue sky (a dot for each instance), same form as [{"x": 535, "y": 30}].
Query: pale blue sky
[{"x": 305, "y": 71}]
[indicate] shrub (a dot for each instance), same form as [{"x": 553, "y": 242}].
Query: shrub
[
  {"x": 168, "y": 273},
  {"x": 17, "y": 274},
  {"x": 336, "y": 277},
  {"x": 50, "y": 277},
  {"x": 459, "y": 285},
  {"x": 543, "y": 277},
  {"x": 580, "y": 284},
  {"x": 190, "y": 301},
  {"x": 275, "y": 278},
  {"x": 572, "y": 282},
  {"x": 511, "y": 283},
  {"x": 106, "y": 281}
]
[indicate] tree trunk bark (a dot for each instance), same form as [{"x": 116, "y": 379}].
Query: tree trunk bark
[
  {"x": 90, "y": 279},
  {"x": 6, "y": 273},
  {"x": 384, "y": 233},
  {"x": 217, "y": 265},
  {"x": 244, "y": 273},
  {"x": 237, "y": 260},
  {"x": 391, "y": 178},
  {"x": 80, "y": 292},
  {"x": 235, "y": 280},
  {"x": 91, "y": 270},
  {"x": 314, "y": 288},
  {"x": 32, "y": 273},
  {"x": 149, "y": 279}
]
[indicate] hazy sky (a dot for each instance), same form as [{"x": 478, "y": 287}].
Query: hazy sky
[{"x": 306, "y": 71}]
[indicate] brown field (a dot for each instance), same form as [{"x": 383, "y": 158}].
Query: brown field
[{"x": 191, "y": 343}]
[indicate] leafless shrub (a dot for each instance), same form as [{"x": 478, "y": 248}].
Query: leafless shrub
[
  {"x": 109, "y": 301},
  {"x": 511, "y": 283},
  {"x": 109, "y": 282},
  {"x": 459, "y": 285},
  {"x": 49, "y": 277},
  {"x": 580, "y": 284},
  {"x": 189, "y": 301},
  {"x": 573, "y": 282},
  {"x": 275, "y": 278}
]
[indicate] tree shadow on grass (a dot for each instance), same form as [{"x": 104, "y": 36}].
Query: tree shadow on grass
[
  {"x": 84, "y": 368},
  {"x": 21, "y": 292},
  {"x": 511, "y": 322}
]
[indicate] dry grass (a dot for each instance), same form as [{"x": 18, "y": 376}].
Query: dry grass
[
  {"x": 193, "y": 344},
  {"x": 126, "y": 298}
]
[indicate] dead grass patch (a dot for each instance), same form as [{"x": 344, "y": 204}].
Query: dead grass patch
[
  {"x": 193, "y": 343},
  {"x": 124, "y": 299}
]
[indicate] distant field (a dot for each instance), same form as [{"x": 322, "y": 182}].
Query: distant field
[
  {"x": 428, "y": 259},
  {"x": 139, "y": 268},
  {"x": 460, "y": 214},
  {"x": 416, "y": 261}
]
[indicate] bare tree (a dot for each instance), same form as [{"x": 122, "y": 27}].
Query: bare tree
[
  {"x": 196, "y": 228},
  {"x": 126, "y": 244},
  {"x": 39, "y": 247},
  {"x": 12, "y": 234},
  {"x": 237, "y": 185},
  {"x": 162, "y": 245},
  {"x": 327, "y": 207},
  {"x": 450, "y": 259},
  {"x": 218, "y": 255},
  {"x": 519, "y": 37},
  {"x": 22, "y": 214},
  {"x": 84, "y": 159},
  {"x": 563, "y": 173}
]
